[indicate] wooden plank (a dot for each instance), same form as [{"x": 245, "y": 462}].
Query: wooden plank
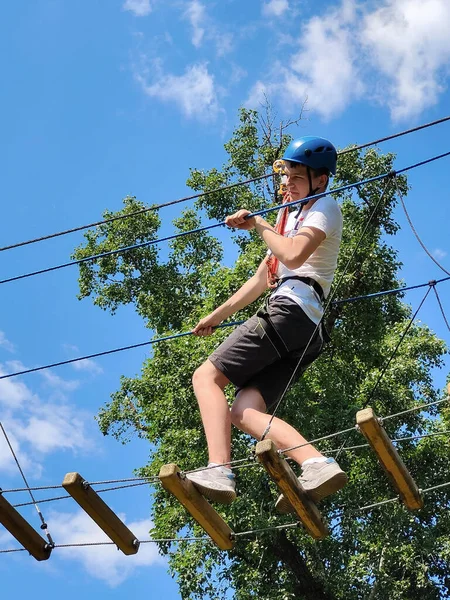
[
  {"x": 188, "y": 495},
  {"x": 390, "y": 460},
  {"x": 100, "y": 512},
  {"x": 23, "y": 532},
  {"x": 279, "y": 470}
]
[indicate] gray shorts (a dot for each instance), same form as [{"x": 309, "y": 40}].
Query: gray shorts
[{"x": 256, "y": 356}]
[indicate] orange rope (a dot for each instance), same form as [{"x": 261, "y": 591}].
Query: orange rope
[{"x": 280, "y": 227}]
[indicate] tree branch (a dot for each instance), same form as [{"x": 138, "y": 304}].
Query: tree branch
[{"x": 306, "y": 585}]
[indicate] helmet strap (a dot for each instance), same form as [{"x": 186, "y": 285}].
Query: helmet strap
[{"x": 311, "y": 191}]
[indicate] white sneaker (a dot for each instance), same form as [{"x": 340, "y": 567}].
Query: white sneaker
[
  {"x": 319, "y": 480},
  {"x": 216, "y": 484}
]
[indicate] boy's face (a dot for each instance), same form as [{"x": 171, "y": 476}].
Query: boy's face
[{"x": 297, "y": 182}]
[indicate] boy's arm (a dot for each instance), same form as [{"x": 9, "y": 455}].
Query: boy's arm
[
  {"x": 291, "y": 251},
  {"x": 248, "y": 293}
]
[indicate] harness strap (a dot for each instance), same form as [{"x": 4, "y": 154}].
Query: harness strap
[
  {"x": 269, "y": 329},
  {"x": 309, "y": 281}
]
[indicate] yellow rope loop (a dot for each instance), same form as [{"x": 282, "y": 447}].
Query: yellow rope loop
[{"x": 279, "y": 167}]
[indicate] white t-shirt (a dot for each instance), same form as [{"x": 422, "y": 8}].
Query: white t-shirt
[{"x": 325, "y": 215}]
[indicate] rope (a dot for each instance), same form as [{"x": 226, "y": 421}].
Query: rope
[
  {"x": 397, "y": 440},
  {"x": 236, "y": 534},
  {"x": 239, "y": 534},
  {"x": 182, "y": 334},
  {"x": 105, "y": 352},
  {"x": 34, "y": 489},
  {"x": 417, "y": 235},
  {"x": 388, "y": 292},
  {"x": 124, "y": 249},
  {"x": 213, "y": 226},
  {"x": 441, "y": 307},
  {"x": 109, "y": 489},
  {"x": 42, "y": 501},
  {"x": 237, "y": 463},
  {"x": 250, "y": 458},
  {"x": 422, "y": 163},
  {"x": 231, "y": 324},
  {"x": 352, "y": 511},
  {"x": 91, "y": 483},
  {"x": 202, "y": 194},
  {"x": 320, "y": 439},
  {"x": 136, "y": 212},
  {"x": 43, "y": 523},
  {"x": 409, "y": 410},
  {"x": 396, "y": 499},
  {"x": 391, "y": 358},
  {"x": 385, "y": 368},
  {"x": 395, "y": 135},
  {"x": 93, "y": 544}
]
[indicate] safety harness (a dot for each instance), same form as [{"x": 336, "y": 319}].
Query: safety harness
[
  {"x": 274, "y": 282},
  {"x": 280, "y": 225}
]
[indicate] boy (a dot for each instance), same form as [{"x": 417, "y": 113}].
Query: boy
[{"x": 260, "y": 356}]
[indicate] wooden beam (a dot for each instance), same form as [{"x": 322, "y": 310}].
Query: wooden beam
[
  {"x": 289, "y": 485},
  {"x": 390, "y": 460},
  {"x": 23, "y": 532},
  {"x": 100, "y": 512},
  {"x": 186, "y": 492}
]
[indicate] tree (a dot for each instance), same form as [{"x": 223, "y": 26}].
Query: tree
[{"x": 386, "y": 552}]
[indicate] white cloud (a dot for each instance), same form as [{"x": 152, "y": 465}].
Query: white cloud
[
  {"x": 36, "y": 426},
  {"x": 141, "y": 8},
  {"x": 82, "y": 365},
  {"x": 87, "y": 365},
  {"x": 322, "y": 69},
  {"x": 13, "y": 393},
  {"x": 194, "y": 91},
  {"x": 195, "y": 14},
  {"x": 259, "y": 92},
  {"x": 396, "y": 52},
  {"x": 7, "y": 462},
  {"x": 223, "y": 41},
  {"x": 5, "y": 343},
  {"x": 408, "y": 41},
  {"x": 101, "y": 562},
  {"x": 204, "y": 28},
  {"x": 69, "y": 348},
  {"x": 53, "y": 427},
  {"x": 439, "y": 254},
  {"x": 237, "y": 73},
  {"x": 6, "y": 538},
  {"x": 275, "y": 8},
  {"x": 61, "y": 384}
]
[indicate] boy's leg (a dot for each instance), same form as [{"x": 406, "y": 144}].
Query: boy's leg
[
  {"x": 321, "y": 476},
  {"x": 216, "y": 482},
  {"x": 209, "y": 383},
  {"x": 245, "y": 352},
  {"x": 248, "y": 413}
]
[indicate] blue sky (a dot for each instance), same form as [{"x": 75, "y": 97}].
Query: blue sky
[{"x": 104, "y": 98}]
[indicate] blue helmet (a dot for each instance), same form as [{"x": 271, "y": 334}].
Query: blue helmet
[{"x": 314, "y": 152}]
